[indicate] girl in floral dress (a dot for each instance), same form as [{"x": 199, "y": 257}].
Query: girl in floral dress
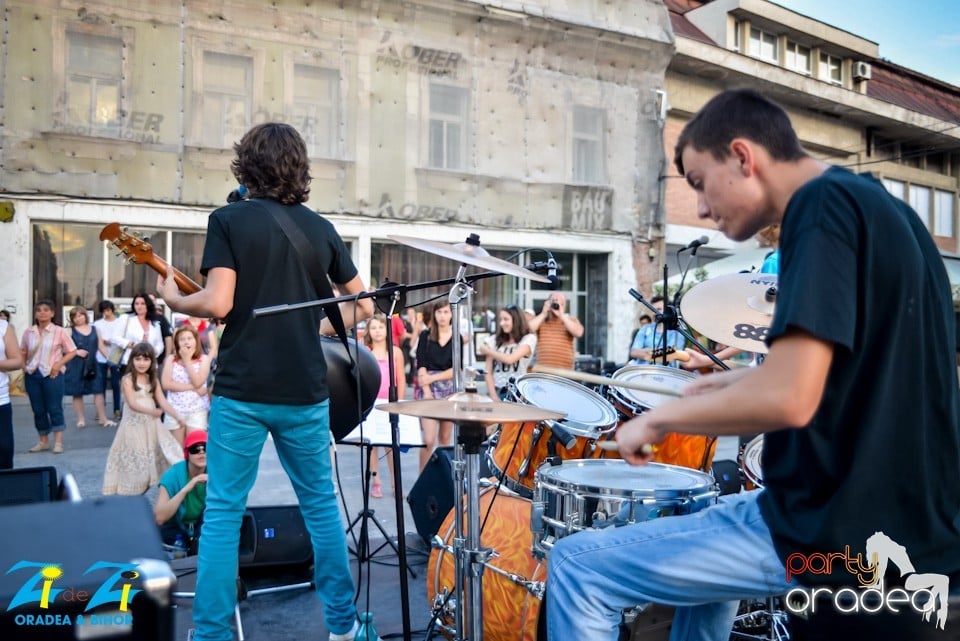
[{"x": 184, "y": 379}]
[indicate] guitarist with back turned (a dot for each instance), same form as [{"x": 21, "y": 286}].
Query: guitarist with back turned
[{"x": 271, "y": 375}]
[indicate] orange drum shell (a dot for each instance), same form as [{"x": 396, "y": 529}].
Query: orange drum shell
[
  {"x": 686, "y": 450},
  {"x": 510, "y": 465},
  {"x": 509, "y": 610}
]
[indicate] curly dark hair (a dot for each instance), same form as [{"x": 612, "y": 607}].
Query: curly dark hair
[{"x": 272, "y": 162}]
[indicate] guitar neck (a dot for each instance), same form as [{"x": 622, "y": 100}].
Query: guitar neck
[{"x": 186, "y": 284}]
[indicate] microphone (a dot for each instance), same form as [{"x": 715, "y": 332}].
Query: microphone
[
  {"x": 552, "y": 268},
  {"x": 695, "y": 244},
  {"x": 563, "y": 436},
  {"x": 240, "y": 193}
]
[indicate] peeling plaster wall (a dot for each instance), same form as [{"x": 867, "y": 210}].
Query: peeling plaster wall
[{"x": 523, "y": 65}]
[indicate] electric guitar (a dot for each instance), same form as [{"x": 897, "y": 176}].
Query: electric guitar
[{"x": 341, "y": 381}]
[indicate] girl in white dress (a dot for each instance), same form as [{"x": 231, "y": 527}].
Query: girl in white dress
[{"x": 142, "y": 449}]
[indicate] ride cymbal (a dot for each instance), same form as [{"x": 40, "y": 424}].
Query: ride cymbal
[
  {"x": 469, "y": 252},
  {"x": 480, "y": 410},
  {"x": 735, "y": 309}
]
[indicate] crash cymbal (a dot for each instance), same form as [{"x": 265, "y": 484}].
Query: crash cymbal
[
  {"x": 735, "y": 309},
  {"x": 469, "y": 252},
  {"x": 479, "y": 410}
]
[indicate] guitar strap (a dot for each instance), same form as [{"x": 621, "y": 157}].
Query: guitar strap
[{"x": 308, "y": 257}]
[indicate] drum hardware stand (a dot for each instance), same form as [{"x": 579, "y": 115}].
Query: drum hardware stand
[{"x": 534, "y": 440}]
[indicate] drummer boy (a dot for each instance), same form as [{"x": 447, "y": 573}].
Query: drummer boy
[{"x": 845, "y": 396}]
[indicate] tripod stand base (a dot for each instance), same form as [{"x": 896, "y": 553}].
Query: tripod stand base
[{"x": 362, "y": 551}]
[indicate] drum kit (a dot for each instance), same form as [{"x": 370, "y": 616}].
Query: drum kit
[{"x": 557, "y": 472}]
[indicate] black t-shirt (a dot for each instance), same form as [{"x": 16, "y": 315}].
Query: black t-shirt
[
  {"x": 859, "y": 270},
  {"x": 276, "y": 358},
  {"x": 433, "y": 356}
]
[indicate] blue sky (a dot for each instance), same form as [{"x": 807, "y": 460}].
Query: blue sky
[{"x": 923, "y": 35}]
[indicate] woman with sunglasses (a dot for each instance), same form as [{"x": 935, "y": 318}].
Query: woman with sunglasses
[
  {"x": 182, "y": 494},
  {"x": 508, "y": 352}
]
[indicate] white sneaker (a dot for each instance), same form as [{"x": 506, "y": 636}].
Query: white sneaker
[{"x": 346, "y": 636}]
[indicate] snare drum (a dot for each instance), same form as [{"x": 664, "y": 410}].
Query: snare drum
[
  {"x": 522, "y": 447},
  {"x": 688, "y": 450},
  {"x": 631, "y": 402},
  {"x": 510, "y": 609},
  {"x": 751, "y": 462},
  {"x": 595, "y": 494}
]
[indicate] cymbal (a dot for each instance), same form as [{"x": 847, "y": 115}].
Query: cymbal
[
  {"x": 735, "y": 309},
  {"x": 480, "y": 410},
  {"x": 469, "y": 253}
]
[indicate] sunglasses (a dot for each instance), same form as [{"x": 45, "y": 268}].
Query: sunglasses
[{"x": 197, "y": 449}]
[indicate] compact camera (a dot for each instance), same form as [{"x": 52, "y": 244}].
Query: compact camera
[{"x": 555, "y": 305}]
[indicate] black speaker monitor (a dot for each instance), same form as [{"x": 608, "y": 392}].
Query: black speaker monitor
[
  {"x": 274, "y": 536},
  {"x": 28, "y": 485},
  {"x": 431, "y": 497}
]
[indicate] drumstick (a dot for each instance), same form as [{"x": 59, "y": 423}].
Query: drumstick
[
  {"x": 611, "y": 446},
  {"x": 603, "y": 380}
]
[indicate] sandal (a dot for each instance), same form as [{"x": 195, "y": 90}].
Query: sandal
[
  {"x": 107, "y": 423},
  {"x": 81, "y": 424},
  {"x": 377, "y": 491}
]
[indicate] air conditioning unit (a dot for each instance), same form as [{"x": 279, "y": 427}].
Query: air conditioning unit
[{"x": 861, "y": 70}]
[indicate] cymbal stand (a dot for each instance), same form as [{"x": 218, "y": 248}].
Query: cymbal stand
[{"x": 469, "y": 558}]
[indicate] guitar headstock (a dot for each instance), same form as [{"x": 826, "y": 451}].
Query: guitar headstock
[{"x": 131, "y": 245}]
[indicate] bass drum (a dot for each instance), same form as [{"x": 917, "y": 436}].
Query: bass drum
[
  {"x": 510, "y": 611},
  {"x": 686, "y": 450}
]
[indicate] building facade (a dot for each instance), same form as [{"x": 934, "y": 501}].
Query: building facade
[{"x": 539, "y": 129}]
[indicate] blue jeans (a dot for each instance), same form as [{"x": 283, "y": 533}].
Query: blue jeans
[
  {"x": 301, "y": 434},
  {"x": 46, "y": 401},
  {"x": 6, "y": 436},
  {"x": 702, "y": 563},
  {"x": 116, "y": 373}
]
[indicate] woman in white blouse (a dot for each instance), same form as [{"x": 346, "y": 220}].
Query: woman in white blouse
[{"x": 139, "y": 327}]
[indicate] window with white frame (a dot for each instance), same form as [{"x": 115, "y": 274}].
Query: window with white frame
[
  {"x": 763, "y": 45},
  {"x": 588, "y": 145},
  {"x": 920, "y": 201},
  {"x": 831, "y": 68},
  {"x": 943, "y": 213},
  {"x": 896, "y": 188},
  {"x": 227, "y": 87},
  {"x": 797, "y": 58},
  {"x": 316, "y": 108},
  {"x": 94, "y": 71},
  {"x": 447, "y": 142}
]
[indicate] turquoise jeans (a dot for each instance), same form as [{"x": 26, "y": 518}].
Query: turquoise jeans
[
  {"x": 301, "y": 434},
  {"x": 702, "y": 563}
]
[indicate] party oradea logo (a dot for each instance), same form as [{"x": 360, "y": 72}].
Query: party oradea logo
[
  {"x": 923, "y": 593},
  {"x": 45, "y": 585}
]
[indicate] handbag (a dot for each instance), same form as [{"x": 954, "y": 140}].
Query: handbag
[
  {"x": 115, "y": 354},
  {"x": 89, "y": 368}
]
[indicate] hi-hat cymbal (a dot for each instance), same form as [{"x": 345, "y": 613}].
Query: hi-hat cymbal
[
  {"x": 469, "y": 253},
  {"x": 479, "y": 410},
  {"x": 735, "y": 309}
]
